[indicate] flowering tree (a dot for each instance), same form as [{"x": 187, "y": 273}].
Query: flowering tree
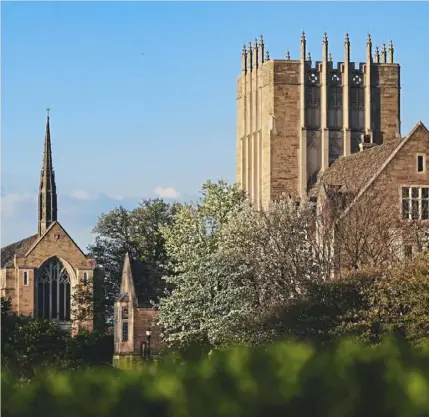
[{"x": 232, "y": 265}]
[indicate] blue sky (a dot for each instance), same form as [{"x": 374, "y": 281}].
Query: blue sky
[{"x": 143, "y": 94}]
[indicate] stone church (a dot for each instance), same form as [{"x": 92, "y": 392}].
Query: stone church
[{"x": 39, "y": 273}]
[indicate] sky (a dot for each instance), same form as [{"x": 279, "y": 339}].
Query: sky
[{"x": 143, "y": 94}]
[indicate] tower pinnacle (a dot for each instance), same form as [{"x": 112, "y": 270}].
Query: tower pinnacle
[{"x": 47, "y": 190}]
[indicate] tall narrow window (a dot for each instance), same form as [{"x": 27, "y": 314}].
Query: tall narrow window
[
  {"x": 85, "y": 278},
  {"x": 25, "y": 278},
  {"x": 124, "y": 317},
  {"x": 125, "y": 332},
  {"x": 420, "y": 163}
]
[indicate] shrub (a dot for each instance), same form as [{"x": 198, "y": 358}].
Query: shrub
[{"x": 283, "y": 379}]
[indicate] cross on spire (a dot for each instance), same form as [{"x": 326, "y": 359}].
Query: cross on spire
[{"x": 48, "y": 110}]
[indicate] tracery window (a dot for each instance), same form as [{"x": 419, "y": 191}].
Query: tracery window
[
  {"x": 335, "y": 103},
  {"x": 53, "y": 288}
]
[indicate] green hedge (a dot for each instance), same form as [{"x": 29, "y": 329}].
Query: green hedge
[{"x": 282, "y": 380}]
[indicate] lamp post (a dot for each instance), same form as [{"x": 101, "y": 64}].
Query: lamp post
[{"x": 148, "y": 334}]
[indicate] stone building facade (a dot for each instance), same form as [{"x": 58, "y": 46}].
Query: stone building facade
[
  {"x": 134, "y": 328},
  {"x": 296, "y": 117},
  {"x": 384, "y": 193},
  {"x": 39, "y": 274}
]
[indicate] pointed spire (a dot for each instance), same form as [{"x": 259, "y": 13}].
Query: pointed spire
[
  {"x": 303, "y": 46},
  {"x": 391, "y": 52},
  {"x": 288, "y": 55},
  {"x": 261, "y": 50},
  {"x": 244, "y": 60},
  {"x": 325, "y": 47},
  {"x": 347, "y": 49},
  {"x": 47, "y": 191},
  {"x": 255, "y": 54},
  {"x": 377, "y": 55},
  {"x": 384, "y": 54},
  {"x": 250, "y": 57},
  {"x": 369, "y": 49},
  {"x": 330, "y": 57}
]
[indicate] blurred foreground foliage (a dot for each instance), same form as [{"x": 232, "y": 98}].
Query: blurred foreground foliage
[{"x": 283, "y": 379}]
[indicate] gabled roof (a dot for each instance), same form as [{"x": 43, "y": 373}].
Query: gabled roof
[
  {"x": 144, "y": 282},
  {"x": 351, "y": 173},
  {"x": 51, "y": 226},
  {"x": 18, "y": 248},
  {"x": 354, "y": 174}
]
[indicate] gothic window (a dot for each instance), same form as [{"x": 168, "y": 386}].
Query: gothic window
[
  {"x": 335, "y": 146},
  {"x": 357, "y": 102},
  {"x": 124, "y": 316},
  {"x": 125, "y": 331},
  {"x": 53, "y": 287},
  {"x": 335, "y": 106},
  {"x": 312, "y": 107}
]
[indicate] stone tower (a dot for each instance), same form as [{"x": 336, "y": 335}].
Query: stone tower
[
  {"x": 294, "y": 118},
  {"x": 47, "y": 191}
]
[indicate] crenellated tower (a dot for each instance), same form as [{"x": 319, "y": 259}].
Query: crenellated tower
[
  {"x": 295, "y": 117},
  {"x": 47, "y": 212}
]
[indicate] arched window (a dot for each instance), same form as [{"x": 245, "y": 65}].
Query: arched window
[
  {"x": 53, "y": 291},
  {"x": 124, "y": 324}
]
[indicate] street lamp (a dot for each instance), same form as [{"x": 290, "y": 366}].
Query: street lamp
[{"x": 148, "y": 334}]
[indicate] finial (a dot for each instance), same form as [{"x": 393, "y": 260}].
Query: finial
[
  {"x": 261, "y": 39},
  {"x": 48, "y": 110},
  {"x": 330, "y": 57},
  {"x": 347, "y": 38},
  {"x": 243, "y": 51},
  {"x": 369, "y": 41},
  {"x": 250, "y": 46},
  {"x": 391, "y": 52},
  {"x": 267, "y": 55},
  {"x": 309, "y": 57},
  {"x": 384, "y": 54},
  {"x": 325, "y": 37},
  {"x": 377, "y": 55},
  {"x": 256, "y": 43},
  {"x": 303, "y": 36},
  {"x": 288, "y": 55}
]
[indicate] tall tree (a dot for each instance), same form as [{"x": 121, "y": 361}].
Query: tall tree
[
  {"x": 137, "y": 232},
  {"x": 233, "y": 264}
]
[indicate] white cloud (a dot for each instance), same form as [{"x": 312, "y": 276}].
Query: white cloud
[
  {"x": 10, "y": 202},
  {"x": 82, "y": 195},
  {"x": 167, "y": 192}
]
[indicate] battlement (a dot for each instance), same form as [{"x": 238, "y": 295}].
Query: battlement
[
  {"x": 296, "y": 117},
  {"x": 254, "y": 56}
]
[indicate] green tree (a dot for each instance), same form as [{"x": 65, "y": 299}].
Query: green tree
[{"x": 137, "y": 232}]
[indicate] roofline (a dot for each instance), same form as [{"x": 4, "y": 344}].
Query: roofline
[
  {"x": 386, "y": 162},
  {"x": 46, "y": 231}
]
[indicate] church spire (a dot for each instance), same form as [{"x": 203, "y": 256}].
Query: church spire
[{"x": 47, "y": 190}]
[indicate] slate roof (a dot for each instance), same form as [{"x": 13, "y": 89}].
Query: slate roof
[
  {"x": 353, "y": 172},
  {"x": 18, "y": 248},
  {"x": 148, "y": 282}
]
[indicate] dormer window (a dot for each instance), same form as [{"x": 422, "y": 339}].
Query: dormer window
[{"x": 420, "y": 163}]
